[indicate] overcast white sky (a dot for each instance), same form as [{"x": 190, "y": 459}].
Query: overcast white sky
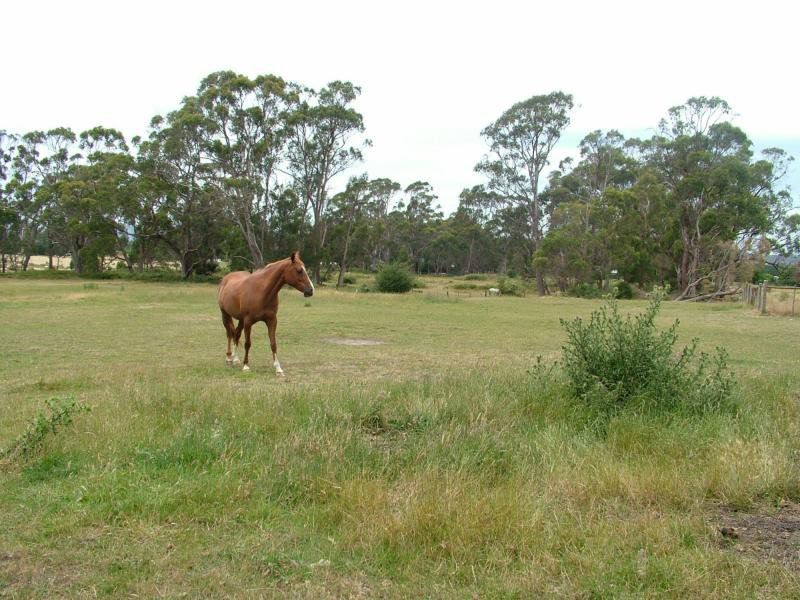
[{"x": 432, "y": 74}]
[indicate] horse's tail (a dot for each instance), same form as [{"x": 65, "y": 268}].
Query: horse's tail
[{"x": 238, "y": 333}]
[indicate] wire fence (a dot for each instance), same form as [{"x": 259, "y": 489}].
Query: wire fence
[{"x": 772, "y": 299}]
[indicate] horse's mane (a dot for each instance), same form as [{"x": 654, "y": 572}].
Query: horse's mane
[{"x": 273, "y": 263}]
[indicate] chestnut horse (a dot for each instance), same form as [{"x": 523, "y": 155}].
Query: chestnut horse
[{"x": 253, "y": 297}]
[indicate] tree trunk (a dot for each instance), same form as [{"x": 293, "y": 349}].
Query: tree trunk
[{"x": 187, "y": 265}]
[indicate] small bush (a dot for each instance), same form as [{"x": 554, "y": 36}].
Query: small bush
[
  {"x": 586, "y": 290},
  {"x": 613, "y": 361},
  {"x": 348, "y": 280},
  {"x": 476, "y": 277},
  {"x": 62, "y": 412},
  {"x": 510, "y": 287},
  {"x": 394, "y": 278},
  {"x": 623, "y": 290}
]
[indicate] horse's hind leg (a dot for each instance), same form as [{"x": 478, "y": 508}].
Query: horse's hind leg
[
  {"x": 230, "y": 332},
  {"x": 237, "y": 333}
]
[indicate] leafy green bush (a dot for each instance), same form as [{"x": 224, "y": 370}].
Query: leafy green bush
[
  {"x": 62, "y": 412},
  {"x": 623, "y": 290},
  {"x": 615, "y": 361},
  {"x": 585, "y": 290},
  {"x": 510, "y": 287},
  {"x": 394, "y": 278},
  {"x": 348, "y": 279}
]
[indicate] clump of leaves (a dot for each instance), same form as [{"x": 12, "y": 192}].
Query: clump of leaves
[
  {"x": 616, "y": 361},
  {"x": 61, "y": 412},
  {"x": 394, "y": 278}
]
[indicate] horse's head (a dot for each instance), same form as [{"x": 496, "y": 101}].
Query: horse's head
[{"x": 295, "y": 275}]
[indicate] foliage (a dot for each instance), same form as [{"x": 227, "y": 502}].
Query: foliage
[
  {"x": 622, "y": 290},
  {"x": 62, "y": 411},
  {"x": 618, "y": 361},
  {"x": 586, "y": 290},
  {"x": 394, "y": 278},
  {"x": 510, "y": 286}
]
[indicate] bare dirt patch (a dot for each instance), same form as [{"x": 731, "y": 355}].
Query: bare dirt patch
[
  {"x": 352, "y": 341},
  {"x": 767, "y": 533}
]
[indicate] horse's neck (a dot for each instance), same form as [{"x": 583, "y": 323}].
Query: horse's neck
[{"x": 270, "y": 280}]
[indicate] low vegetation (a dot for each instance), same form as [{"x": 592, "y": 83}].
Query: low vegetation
[
  {"x": 394, "y": 278},
  {"x": 441, "y": 462}
]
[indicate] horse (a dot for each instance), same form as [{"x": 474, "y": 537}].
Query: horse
[{"x": 253, "y": 297}]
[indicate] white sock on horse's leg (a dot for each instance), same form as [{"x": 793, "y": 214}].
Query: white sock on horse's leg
[{"x": 277, "y": 366}]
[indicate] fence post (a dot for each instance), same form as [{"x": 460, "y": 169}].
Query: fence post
[
  {"x": 764, "y": 298},
  {"x": 794, "y": 294}
]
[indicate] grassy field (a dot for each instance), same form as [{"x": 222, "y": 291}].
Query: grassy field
[{"x": 431, "y": 464}]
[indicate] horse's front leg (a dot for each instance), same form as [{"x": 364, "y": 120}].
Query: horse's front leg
[
  {"x": 272, "y": 326},
  {"x": 245, "y": 366}
]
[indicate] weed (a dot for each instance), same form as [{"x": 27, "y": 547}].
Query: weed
[{"x": 62, "y": 412}]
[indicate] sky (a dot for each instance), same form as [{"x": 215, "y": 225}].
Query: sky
[{"x": 432, "y": 74}]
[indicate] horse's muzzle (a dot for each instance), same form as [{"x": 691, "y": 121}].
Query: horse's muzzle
[{"x": 308, "y": 293}]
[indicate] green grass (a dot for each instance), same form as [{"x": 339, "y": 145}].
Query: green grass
[{"x": 434, "y": 464}]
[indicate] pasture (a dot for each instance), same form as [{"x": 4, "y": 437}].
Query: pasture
[{"x": 409, "y": 451}]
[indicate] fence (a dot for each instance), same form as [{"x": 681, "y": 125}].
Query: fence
[{"x": 772, "y": 299}]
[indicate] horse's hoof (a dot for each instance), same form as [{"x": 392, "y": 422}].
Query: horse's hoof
[
  {"x": 236, "y": 360},
  {"x": 280, "y": 373},
  {"x": 245, "y": 368}
]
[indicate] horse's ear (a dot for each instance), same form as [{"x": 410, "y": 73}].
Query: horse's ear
[{"x": 295, "y": 256}]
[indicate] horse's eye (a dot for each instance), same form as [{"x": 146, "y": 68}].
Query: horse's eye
[{"x": 299, "y": 271}]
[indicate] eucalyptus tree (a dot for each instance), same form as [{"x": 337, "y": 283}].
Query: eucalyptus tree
[
  {"x": 321, "y": 130},
  {"x": 39, "y": 161},
  {"x": 723, "y": 197},
  {"x": 520, "y": 142},
  {"x": 246, "y": 130},
  {"x": 181, "y": 208},
  {"x": 8, "y": 217},
  {"x": 357, "y": 215},
  {"x": 414, "y": 222},
  {"x": 92, "y": 200}
]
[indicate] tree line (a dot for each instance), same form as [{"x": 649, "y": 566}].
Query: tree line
[{"x": 244, "y": 171}]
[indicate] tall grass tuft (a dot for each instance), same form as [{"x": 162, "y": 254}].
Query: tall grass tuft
[{"x": 616, "y": 361}]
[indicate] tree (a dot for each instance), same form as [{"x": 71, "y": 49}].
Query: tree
[
  {"x": 320, "y": 131},
  {"x": 183, "y": 207},
  {"x": 723, "y": 199},
  {"x": 520, "y": 143},
  {"x": 39, "y": 162},
  {"x": 8, "y": 217},
  {"x": 90, "y": 200},
  {"x": 357, "y": 213},
  {"x": 245, "y": 126}
]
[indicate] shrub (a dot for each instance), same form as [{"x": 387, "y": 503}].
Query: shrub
[
  {"x": 585, "y": 290},
  {"x": 476, "y": 277},
  {"x": 623, "y": 290},
  {"x": 348, "y": 279},
  {"x": 510, "y": 287},
  {"x": 616, "y": 361},
  {"x": 394, "y": 278}
]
